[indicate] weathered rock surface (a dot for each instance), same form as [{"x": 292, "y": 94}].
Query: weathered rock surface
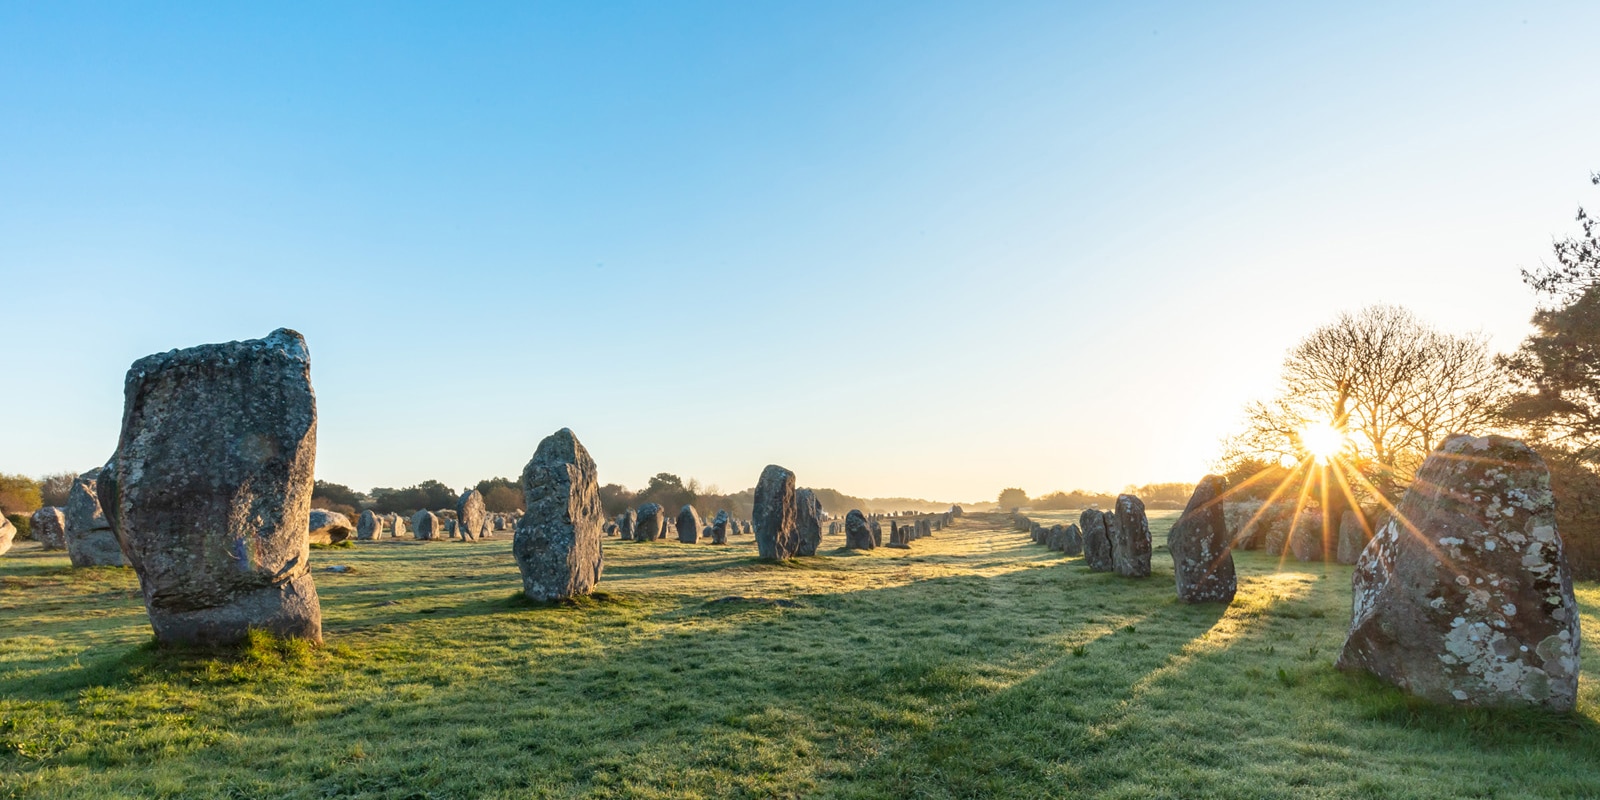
[
  {"x": 1130, "y": 538},
  {"x": 472, "y": 517},
  {"x": 1096, "y": 540},
  {"x": 558, "y": 541},
  {"x": 49, "y": 527},
  {"x": 808, "y": 522},
  {"x": 210, "y": 489},
  {"x": 1072, "y": 541},
  {"x": 721, "y": 526},
  {"x": 776, "y": 514},
  {"x": 652, "y": 521},
  {"x": 90, "y": 540},
  {"x": 328, "y": 527},
  {"x": 425, "y": 526},
  {"x": 858, "y": 532},
  {"x": 397, "y": 526},
  {"x": 1202, "y": 562},
  {"x": 627, "y": 521},
  {"x": 8, "y": 535},
  {"x": 689, "y": 525},
  {"x": 1465, "y": 596},
  {"x": 369, "y": 526}
]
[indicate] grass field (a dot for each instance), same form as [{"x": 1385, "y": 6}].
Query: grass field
[{"x": 975, "y": 665}]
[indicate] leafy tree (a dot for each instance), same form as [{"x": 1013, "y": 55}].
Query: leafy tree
[
  {"x": 336, "y": 494},
  {"x": 54, "y": 488},
  {"x": 19, "y": 494},
  {"x": 430, "y": 495},
  {"x": 503, "y": 499},
  {"x": 668, "y": 490},
  {"x": 1012, "y": 498},
  {"x": 1555, "y": 373},
  {"x": 615, "y": 499}
]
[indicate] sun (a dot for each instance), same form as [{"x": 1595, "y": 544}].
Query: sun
[{"x": 1322, "y": 441}]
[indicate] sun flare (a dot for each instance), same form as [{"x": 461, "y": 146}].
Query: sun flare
[{"x": 1322, "y": 441}]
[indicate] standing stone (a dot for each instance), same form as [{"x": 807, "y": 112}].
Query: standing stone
[
  {"x": 1072, "y": 541},
  {"x": 1096, "y": 540},
  {"x": 368, "y": 526},
  {"x": 472, "y": 517},
  {"x": 398, "y": 524},
  {"x": 776, "y": 514},
  {"x": 1354, "y": 533},
  {"x": 558, "y": 541},
  {"x": 8, "y": 535},
  {"x": 746, "y": 528},
  {"x": 90, "y": 540},
  {"x": 689, "y": 525},
  {"x": 877, "y": 533},
  {"x": 652, "y": 520},
  {"x": 625, "y": 525},
  {"x": 1130, "y": 543},
  {"x": 327, "y": 527},
  {"x": 210, "y": 489},
  {"x": 1305, "y": 537},
  {"x": 1465, "y": 596},
  {"x": 1201, "y": 559},
  {"x": 1053, "y": 538},
  {"x": 49, "y": 527},
  {"x": 721, "y": 526},
  {"x": 808, "y": 522},
  {"x": 425, "y": 526},
  {"x": 857, "y": 531}
]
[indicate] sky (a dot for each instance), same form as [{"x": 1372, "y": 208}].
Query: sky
[{"x": 904, "y": 249}]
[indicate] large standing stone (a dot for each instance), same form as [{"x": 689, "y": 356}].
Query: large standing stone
[
  {"x": 425, "y": 526},
  {"x": 471, "y": 516},
  {"x": 652, "y": 521},
  {"x": 689, "y": 525},
  {"x": 776, "y": 514},
  {"x": 49, "y": 527},
  {"x": 1199, "y": 543},
  {"x": 327, "y": 527},
  {"x": 1130, "y": 538},
  {"x": 558, "y": 541},
  {"x": 627, "y": 521},
  {"x": 858, "y": 531},
  {"x": 808, "y": 522},
  {"x": 210, "y": 489},
  {"x": 1465, "y": 596},
  {"x": 1096, "y": 540},
  {"x": 369, "y": 526},
  {"x": 8, "y": 535},
  {"x": 90, "y": 540},
  {"x": 397, "y": 526}
]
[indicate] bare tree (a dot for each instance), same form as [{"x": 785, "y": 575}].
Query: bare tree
[{"x": 1392, "y": 384}]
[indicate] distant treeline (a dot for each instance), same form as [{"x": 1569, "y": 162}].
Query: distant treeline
[{"x": 1155, "y": 495}]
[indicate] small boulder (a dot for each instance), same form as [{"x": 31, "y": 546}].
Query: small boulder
[
  {"x": 48, "y": 526},
  {"x": 328, "y": 527},
  {"x": 368, "y": 526},
  {"x": 857, "y": 531},
  {"x": 689, "y": 525},
  {"x": 1096, "y": 540},
  {"x": 425, "y": 526},
  {"x": 652, "y": 523},
  {"x": 90, "y": 540}
]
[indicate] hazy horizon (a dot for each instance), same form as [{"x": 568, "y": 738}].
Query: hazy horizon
[{"x": 903, "y": 249}]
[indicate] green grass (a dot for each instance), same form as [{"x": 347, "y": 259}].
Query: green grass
[{"x": 974, "y": 665}]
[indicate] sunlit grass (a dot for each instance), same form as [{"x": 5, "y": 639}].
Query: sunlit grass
[{"x": 976, "y": 665}]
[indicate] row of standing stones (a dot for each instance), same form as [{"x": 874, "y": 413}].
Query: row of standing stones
[
  {"x": 208, "y": 498},
  {"x": 1462, "y": 597}
]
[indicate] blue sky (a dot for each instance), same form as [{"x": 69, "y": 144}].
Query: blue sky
[{"x": 926, "y": 249}]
